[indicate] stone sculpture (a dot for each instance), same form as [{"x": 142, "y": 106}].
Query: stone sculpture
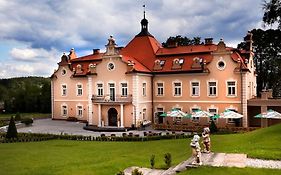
[
  {"x": 206, "y": 140},
  {"x": 196, "y": 150}
]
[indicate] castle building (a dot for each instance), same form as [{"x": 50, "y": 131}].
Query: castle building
[{"x": 125, "y": 86}]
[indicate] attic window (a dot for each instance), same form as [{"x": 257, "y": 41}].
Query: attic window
[
  {"x": 197, "y": 63},
  {"x": 79, "y": 68},
  {"x": 177, "y": 63},
  {"x": 158, "y": 64},
  {"x": 162, "y": 62}
]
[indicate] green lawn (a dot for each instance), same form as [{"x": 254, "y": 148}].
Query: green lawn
[{"x": 62, "y": 157}]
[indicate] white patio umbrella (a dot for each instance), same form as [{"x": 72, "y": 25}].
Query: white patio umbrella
[
  {"x": 200, "y": 113},
  {"x": 230, "y": 114},
  {"x": 175, "y": 113},
  {"x": 269, "y": 114}
]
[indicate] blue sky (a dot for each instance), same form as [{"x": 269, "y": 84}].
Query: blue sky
[{"x": 34, "y": 34}]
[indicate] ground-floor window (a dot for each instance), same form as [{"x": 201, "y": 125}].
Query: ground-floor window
[
  {"x": 64, "y": 110},
  {"x": 79, "y": 111}
]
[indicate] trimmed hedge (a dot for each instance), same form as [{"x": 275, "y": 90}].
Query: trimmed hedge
[{"x": 35, "y": 137}]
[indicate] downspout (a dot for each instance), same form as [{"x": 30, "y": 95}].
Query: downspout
[{"x": 152, "y": 97}]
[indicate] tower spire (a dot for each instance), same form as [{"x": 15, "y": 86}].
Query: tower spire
[{"x": 144, "y": 25}]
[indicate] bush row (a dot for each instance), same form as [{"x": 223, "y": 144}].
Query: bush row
[{"x": 33, "y": 137}]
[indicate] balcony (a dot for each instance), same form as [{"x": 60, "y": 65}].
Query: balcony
[{"x": 107, "y": 99}]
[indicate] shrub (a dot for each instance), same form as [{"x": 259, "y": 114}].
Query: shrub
[
  {"x": 213, "y": 127},
  {"x": 27, "y": 121},
  {"x": 12, "y": 130},
  {"x": 136, "y": 172},
  {"x": 168, "y": 159},
  {"x": 152, "y": 161},
  {"x": 18, "y": 117}
]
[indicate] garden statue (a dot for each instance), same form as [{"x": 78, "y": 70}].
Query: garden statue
[
  {"x": 196, "y": 153},
  {"x": 206, "y": 140}
]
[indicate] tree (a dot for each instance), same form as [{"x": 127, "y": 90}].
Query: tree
[
  {"x": 181, "y": 41},
  {"x": 12, "y": 130},
  {"x": 272, "y": 12},
  {"x": 267, "y": 58}
]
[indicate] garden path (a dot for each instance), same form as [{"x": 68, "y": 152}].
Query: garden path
[{"x": 212, "y": 159}]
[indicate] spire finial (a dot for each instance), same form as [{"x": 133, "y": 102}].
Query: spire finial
[{"x": 143, "y": 10}]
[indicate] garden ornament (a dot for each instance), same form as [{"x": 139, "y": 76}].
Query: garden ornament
[
  {"x": 196, "y": 153},
  {"x": 206, "y": 140}
]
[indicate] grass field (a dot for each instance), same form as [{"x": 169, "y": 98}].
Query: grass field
[{"x": 105, "y": 158}]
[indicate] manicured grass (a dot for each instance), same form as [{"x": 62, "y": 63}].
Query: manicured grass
[
  {"x": 62, "y": 157},
  {"x": 262, "y": 143},
  {"x": 230, "y": 171},
  {"x": 83, "y": 157}
]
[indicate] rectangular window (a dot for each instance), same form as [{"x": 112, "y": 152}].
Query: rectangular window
[
  {"x": 144, "y": 113},
  {"x": 231, "y": 88},
  {"x": 64, "y": 90},
  {"x": 212, "y": 88},
  {"x": 100, "y": 89},
  {"x": 64, "y": 110},
  {"x": 160, "y": 89},
  {"x": 195, "y": 88},
  {"x": 79, "y": 111},
  {"x": 177, "y": 89},
  {"x": 79, "y": 90},
  {"x": 143, "y": 89},
  {"x": 213, "y": 111},
  {"x": 124, "y": 88}
]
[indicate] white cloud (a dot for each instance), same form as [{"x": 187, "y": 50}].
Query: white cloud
[{"x": 46, "y": 27}]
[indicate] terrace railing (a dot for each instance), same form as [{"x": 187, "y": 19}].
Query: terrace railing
[{"x": 112, "y": 99}]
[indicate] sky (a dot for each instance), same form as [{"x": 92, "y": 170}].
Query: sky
[{"x": 35, "y": 33}]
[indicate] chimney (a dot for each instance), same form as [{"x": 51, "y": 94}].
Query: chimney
[
  {"x": 208, "y": 41},
  {"x": 72, "y": 54},
  {"x": 249, "y": 41},
  {"x": 96, "y": 51}
]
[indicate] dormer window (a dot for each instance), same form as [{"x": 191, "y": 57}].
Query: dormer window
[
  {"x": 158, "y": 64},
  {"x": 92, "y": 68},
  {"x": 79, "y": 68},
  {"x": 197, "y": 63},
  {"x": 177, "y": 63}
]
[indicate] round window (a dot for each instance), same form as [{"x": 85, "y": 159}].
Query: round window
[
  {"x": 221, "y": 65},
  {"x": 110, "y": 66}
]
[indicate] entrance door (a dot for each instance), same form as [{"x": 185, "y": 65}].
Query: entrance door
[
  {"x": 112, "y": 117},
  {"x": 112, "y": 91}
]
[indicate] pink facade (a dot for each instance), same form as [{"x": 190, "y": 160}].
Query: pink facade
[{"x": 134, "y": 84}]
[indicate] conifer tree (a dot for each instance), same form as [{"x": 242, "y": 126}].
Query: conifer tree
[{"x": 12, "y": 130}]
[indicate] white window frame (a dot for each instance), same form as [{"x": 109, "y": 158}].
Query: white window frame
[
  {"x": 144, "y": 88},
  {"x": 174, "y": 89},
  {"x": 100, "y": 89},
  {"x": 79, "y": 111},
  {"x": 124, "y": 89},
  {"x": 227, "y": 88},
  {"x": 191, "y": 89},
  {"x": 157, "y": 89},
  {"x": 144, "y": 111},
  {"x": 79, "y": 90},
  {"x": 64, "y": 90},
  {"x": 208, "y": 88},
  {"x": 217, "y": 111},
  {"x": 63, "y": 113}
]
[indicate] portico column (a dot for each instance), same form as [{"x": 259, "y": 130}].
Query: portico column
[
  {"x": 99, "y": 114},
  {"x": 122, "y": 115}
]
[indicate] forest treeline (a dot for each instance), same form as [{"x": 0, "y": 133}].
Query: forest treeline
[{"x": 25, "y": 94}]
